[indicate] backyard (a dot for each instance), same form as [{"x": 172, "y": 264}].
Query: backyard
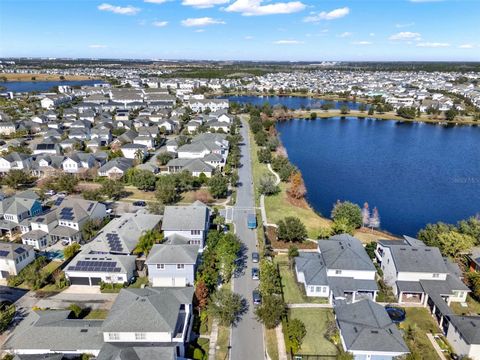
[
  {"x": 472, "y": 308},
  {"x": 316, "y": 321}
]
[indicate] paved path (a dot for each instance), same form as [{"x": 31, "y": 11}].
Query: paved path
[
  {"x": 282, "y": 351},
  {"x": 213, "y": 341},
  {"x": 247, "y": 335},
  {"x": 437, "y": 348},
  {"x": 309, "y": 305}
]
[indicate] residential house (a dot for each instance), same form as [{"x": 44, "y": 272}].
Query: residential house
[
  {"x": 463, "y": 335},
  {"x": 172, "y": 264},
  {"x": 37, "y": 234},
  {"x": 340, "y": 270},
  {"x": 194, "y": 166},
  {"x": 78, "y": 162},
  {"x": 200, "y": 105},
  {"x": 15, "y": 209},
  {"x": 190, "y": 222},
  {"x": 7, "y": 128},
  {"x": 15, "y": 161},
  {"x": 134, "y": 151},
  {"x": 115, "y": 168},
  {"x": 13, "y": 258},
  {"x": 367, "y": 332}
]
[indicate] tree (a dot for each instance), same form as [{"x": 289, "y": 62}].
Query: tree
[
  {"x": 17, "y": 178},
  {"x": 313, "y": 116},
  {"x": 70, "y": 250},
  {"x": 297, "y": 189},
  {"x": 375, "y": 219},
  {"x": 65, "y": 182},
  {"x": 370, "y": 249},
  {"x": 365, "y": 215},
  {"x": 371, "y": 110},
  {"x": 291, "y": 229},
  {"x": 407, "y": 112},
  {"x": 283, "y": 167},
  {"x": 271, "y": 311},
  {"x": 342, "y": 226},
  {"x": 166, "y": 190},
  {"x": 471, "y": 227},
  {"x": 147, "y": 240},
  {"x": 112, "y": 189},
  {"x": 92, "y": 195},
  {"x": 344, "y": 109},
  {"x": 201, "y": 295},
  {"x": 450, "y": 114},
  {"x": 429, "y": 235},
  {"x": 219, "y": 221},
  {"x": 362, "y": 107},
  {"x": 349, "y": 211},
  {"x": 264, "y": 156},
  {"x": 292, "y": 254},
  {"x": 143, "y": 179},
  {"x": 267, "y": 185},
  {"x": 76, "y": 310},
  {"x": 6, "y": 316},
  {"x": 226, "y": 306},
  {"x": 91, "y": 227},
  {"x": 270, "y": 283},
  {"x": 454, "y": 244},
  {"x": 164, "y": 157},
  {"x": 227, "y": 250},
  {"x": 218, "y": 185},
  {"x": 296, "y": 332}
]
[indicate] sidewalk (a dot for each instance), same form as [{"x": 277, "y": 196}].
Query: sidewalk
[
  {"x": 436, "y": 347},
  {"x": 213, "y": 341},
  {"x": 282, "y": 351}
]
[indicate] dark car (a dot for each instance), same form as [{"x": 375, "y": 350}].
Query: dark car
[
  {"x": 255, "y": 274},
  {"x": 255, "y": 257},
  {"x": 257, "y": 298},
  {"x": 139, "y": 203}
]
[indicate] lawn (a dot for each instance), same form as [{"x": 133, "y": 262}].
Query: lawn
[
  {"x": 315, "y": 321},
  {"x": 423, "y": 322},
  {"x": 222, "y": 342},
  {"x": 473, "y": 307},
  {"x": 292, "y": 293},
  {"x": 272, "y": 344},
  {"x": 97, "y": 314}
]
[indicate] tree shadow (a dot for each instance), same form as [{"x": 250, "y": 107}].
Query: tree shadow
[
  {"x": 243, "y": 310},
  {"x": 241, "y": 262}
]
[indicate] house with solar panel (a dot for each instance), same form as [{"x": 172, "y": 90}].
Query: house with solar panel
[{"x": 13, "y": 258}]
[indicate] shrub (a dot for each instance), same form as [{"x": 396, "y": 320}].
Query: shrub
[
  {"x": 264, "y": 156},
  {"x": 348, "y": 211},
  {"x": 267, "y": 185},
  {"x": 76, "y": 310},
  {"x": 6, "y": 316},
  {"x": 70, "y": 250},
  {"x": 291, "y": 229},
  {"x": 296, "y": 332}
]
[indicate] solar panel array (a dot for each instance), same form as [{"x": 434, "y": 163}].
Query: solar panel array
[
  {"x": 114, "y": 242},
  {"x": 66, "y": 213},
  {"x": 4, "y": 253},
  {"x": 19, "y": 250},
  {"x": 97, "y": 266},
  {"x": 58, "y": 201}
]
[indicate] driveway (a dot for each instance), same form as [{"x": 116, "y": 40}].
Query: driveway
[{"x": 247, "y": 335}]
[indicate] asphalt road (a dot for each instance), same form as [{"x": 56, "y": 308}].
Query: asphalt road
[{"x": 247, "y": 334}]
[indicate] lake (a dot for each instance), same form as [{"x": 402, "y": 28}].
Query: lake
[
  {"x": 414, "y": 173},
  {"x": 29, "y": 86},
  {"x": 291, "y": 102}
]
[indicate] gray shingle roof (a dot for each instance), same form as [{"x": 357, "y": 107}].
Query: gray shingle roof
[
  {"x": 136, "y": 351},
  {"x": 313, "y": 267},
  {"x": 173, "y": 254},
  {"x": 418, "y": 259},
  {"x": 468, "y": 326},
  {"x": 191, "y": 217},
  {"x": 366, "y": 326},
  {"x": 346, "y": 253}
]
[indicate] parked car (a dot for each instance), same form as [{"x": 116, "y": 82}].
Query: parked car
[
  {"x": 65, "y": 242},
  {"x": 255, "y": 274},
  {"x": 50, "y": 192},
  {"x": 255, "y": 257},
  {"x": 139, "y": 203},
  {"x": 257, "y": 297},
  {"x": 109, "y": 211},
  {"x": 62, "y": 194}
]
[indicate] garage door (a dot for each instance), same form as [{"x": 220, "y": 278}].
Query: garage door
[
  {"x": 79, "y": 281},
  {"x": 162, "y": 281},
  {"x": 180, "y": 281},
  {"x": 96, "y": 281}
]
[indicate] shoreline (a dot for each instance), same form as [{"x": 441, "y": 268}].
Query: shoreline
[{"x": 14, "y": 77}]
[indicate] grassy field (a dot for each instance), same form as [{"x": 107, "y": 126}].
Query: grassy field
[
  {"x": 271, "y": 343},
  {"x": 315, "y": 321},
  {"x": 420, "y": 319},
  {"x": 473, "y": 307},
  {"x": 292, "y": 293},
  {"x": 222, "y": 342},
  {"x": 42, "y": 77}
]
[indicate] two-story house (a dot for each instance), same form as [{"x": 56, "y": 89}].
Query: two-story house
[
  {"x": 17, "y": 208},
  {"x": 13, "y": 258},
  {"x": 37, "y": 234},
  {"x": 77, "y": 162},
  {"x": 172, "y": 264},
  {"x": 340, "y": 270},
  {"x": 190, "y": 222}
]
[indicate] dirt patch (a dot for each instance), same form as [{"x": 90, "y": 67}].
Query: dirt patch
[{"x": 271, "y": 238}]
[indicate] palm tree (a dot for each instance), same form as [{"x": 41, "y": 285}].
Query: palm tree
[{"x": 139, "y": 154}]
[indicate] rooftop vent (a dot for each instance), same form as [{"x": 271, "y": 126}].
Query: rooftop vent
[{"x": 83, "y": 330}]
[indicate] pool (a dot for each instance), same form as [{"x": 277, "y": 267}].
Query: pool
[
  {"x": 396, "y": 314},
  {"x": 54, "y": 255}
]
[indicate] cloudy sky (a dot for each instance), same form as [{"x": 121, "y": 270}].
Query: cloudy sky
[{"x": 303, "y": 30}]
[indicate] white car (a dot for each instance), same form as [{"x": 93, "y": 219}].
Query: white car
[{"x": 50, "y": 192}]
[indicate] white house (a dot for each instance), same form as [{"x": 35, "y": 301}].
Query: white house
[
  {"x": 14, "y": 257},
  {"x": 463, "y": 335},
  {"x": 134, "y": 151}
]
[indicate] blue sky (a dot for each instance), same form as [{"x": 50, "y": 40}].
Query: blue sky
[{"x": 292, "y": 30}]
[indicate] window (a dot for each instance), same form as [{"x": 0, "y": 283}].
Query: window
[
  {"x": 318, "y": 289},
  {"x": 140, "y": 336},
  {"x": 194, "y": 232},
  {"x": 113, "y": 336},
  {"x": 311, "y": 289},
  {"x": 180, "y": 266},
  {"x": 160, "y": 266},
  {"x": 436, "y": 275},
  {"x": 338, "y": 272}
]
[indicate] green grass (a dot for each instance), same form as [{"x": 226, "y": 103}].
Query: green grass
[
  {"x": 222, "y": 342},
  {"x": 292, "y": 292},
  {"x": 315, "y": 321},
  {"x": 473, "y": 307},
  {"x": 139, "y": 281},
  {"x": 51, "y": 266},
  {"x": 97, "y": 314},
  {"x": 423, "y": 322},
  {"x": 271, "y": 343}
]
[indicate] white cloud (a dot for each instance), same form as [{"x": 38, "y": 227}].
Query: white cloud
[
  {"x": 248, "y": 37},
  {"x": 398, "y": 26},
  {"x": 199, "y": 30},
  {"x": 433, "y": 44},
  {"x": 122, "y": 10},
  {"x": 204, "y": 4},
  {"x": 372, "y": 34},
  {"x": 97, "y": 46},
  {"x": 466, "y": 46},
  {"x": 362, "y": 43},
  {"x": 203, "y": 21},
  {"x": 255, "y": 7},
  {"x": 345, "y": 34},
  {"x": 288, "y": 42},
  {"x": 405, "y": 35},
  {"x": 156, "y": 1},
  {"x": 330, "y": 15},
  {"x": 160, "y": 23}
]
